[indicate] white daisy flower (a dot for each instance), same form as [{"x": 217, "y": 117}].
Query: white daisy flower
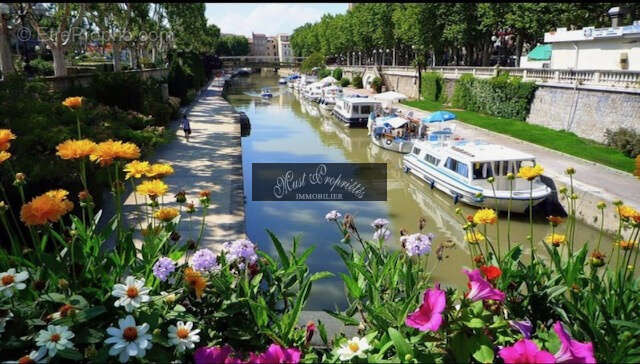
[
  {"x": 353, "y": 347},
  {"x": 131, "y": 294},
  {"x": 129, "y": 340},
  {"x": 182, "y": 336},
  {"x": 33, "y": 357},
  {"x": 10, "y": 281},
  {"x": 54, "y": 338}
]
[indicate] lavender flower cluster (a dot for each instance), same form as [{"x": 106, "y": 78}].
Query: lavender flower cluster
[
  {"x": 204, "y": 260},
  {"x": 381, "y": 229},
  {"x": 417, "y": 244},
  {"x": 240, "y": 251},
  {"x": 332, "y": 215},
  {"x": 163, "y": 268}
]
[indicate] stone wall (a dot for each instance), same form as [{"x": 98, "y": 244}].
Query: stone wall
[
  {"x": 585, "y": 112},
  {"x": 62, "y": 83},
  {"x": 403, "y": 84}
]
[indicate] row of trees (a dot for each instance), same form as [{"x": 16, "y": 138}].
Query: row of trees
[
  {"x": 443, "y": 33},
  {"x": 145, "y": 29}
]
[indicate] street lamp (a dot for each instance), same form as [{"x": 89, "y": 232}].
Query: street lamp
[{"x": 360, "y": 58}]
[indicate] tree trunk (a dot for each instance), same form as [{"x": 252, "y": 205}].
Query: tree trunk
[
  {"x": 486, "y": 51},
  {"x": 519, "y": 42},
  {"x": 115, "y": 53},
  {"x": 6, "y": 62},
  {"x": 59, "y": 66}
]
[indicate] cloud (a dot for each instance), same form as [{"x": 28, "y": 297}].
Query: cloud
[{"x": 269, "y": 19}]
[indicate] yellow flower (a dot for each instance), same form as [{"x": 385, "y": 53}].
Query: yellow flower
[
  {"x": 530, "y": 173},
  {"x": 6, "y": 136},
  {"x": 73, "y": 102},
  {"x": 485, "y": 216},
  {"x": 107, "y": 151},
  {"x": 48, "y": 207},
  {"x": 166, "y": 214},
  {"x": 556, "y": 239},
  {"x": 153, "y": 188},
  {"x": 74, "y": 149},
  {"x": 626, "y": 212},
  {"x": 474, "y": 237},
  {"x": 136, "y": 169},
  {"x": 626, "y": 245},
  {"x": 159, "y": 170},
  {"x": 195, "y": 281},
  {"x": 4, "y": 156}
]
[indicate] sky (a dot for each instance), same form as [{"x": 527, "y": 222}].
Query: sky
[{"x": 267, "y": 18}]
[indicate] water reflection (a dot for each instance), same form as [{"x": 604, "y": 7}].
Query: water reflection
[{"x": 287, "y": 129}]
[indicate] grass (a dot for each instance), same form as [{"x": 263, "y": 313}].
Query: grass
[{"x": 561, "y": 141}]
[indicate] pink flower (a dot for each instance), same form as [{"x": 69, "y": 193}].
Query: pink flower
[
  {"x": 480, "y": 289},
  {"x": 525, "y": 351},
  {"x": 276, "y": 354},
  {"x": 572, "y": 351},
  {"x": 428, "y": 317},
  {"x": 215, "y": 355}
]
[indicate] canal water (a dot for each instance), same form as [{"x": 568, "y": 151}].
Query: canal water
[{"x": 288, "y": 129}]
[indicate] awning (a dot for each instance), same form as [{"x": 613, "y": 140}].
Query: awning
[
  {"x": 439, "y": 116},
  {"x": 394, "y": 122},
  {"x": 390, "y": 96},
  {"x": 542, "y": 52}
]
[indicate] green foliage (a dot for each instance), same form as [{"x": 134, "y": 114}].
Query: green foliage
[
  {"x": 186, "y": 71},
  {"x": 557, "y": 140},
  {"x": 324, "y": 72},
  {"x": 377, "y": 84},
  {"x": 189, "y": 26},
  {"x": 314, "y": 60},
  {"x": 40, "y": 67},
  {"x": 232, "y": 45},
  {"x": 433, "y": 86},
  {"x": 357, "y": 81},
  {"x": 502, "y": 96},
  {"x": 337, "y": 73},
  {"x": 625, "y": 140},
  {"x": 344, "y": 82}
]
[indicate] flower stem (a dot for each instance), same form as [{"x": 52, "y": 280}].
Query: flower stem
[{"x": 533, "y": 252}]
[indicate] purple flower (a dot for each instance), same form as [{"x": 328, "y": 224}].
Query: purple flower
[
  {"x": 428, "y": 317},
  {"x": 525, "y": 327},
  {"x": 418, "y": 244},
  {"x": 480, "y": 289},
  {"x": 240, "y": 251},
  {"x": 332, "y": 215},
  {"x": 525, "y": 351},
  {"x": 379, "y": 223},
  {"x": 163, "y": 268},
  {"x": 276, "y": 354},
  {"x": 572, "y": 351},
  {"x": 382, "y": 233},
  {"x": 215, "y": 355},
  {"x": 204, "y": 260}
]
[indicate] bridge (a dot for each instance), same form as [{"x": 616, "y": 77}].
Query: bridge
[{"x": 261, "y": 61}]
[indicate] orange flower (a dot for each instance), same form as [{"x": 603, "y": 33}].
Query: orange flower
[
  {"x": 627, "y": 212},
  {"x": 555, "y": 220},
  {"x": 73, "y": 102},
  {"x": 485, "y": 216},
  {"x": 159, "y": 170},
  {"x": 166, "y": 214},
  {"x": 107, "y": 151},
  {"x": 49, "y": 207},
  {"x": 195, "y": 281},
  {"x": 153, "y": 188},
  {"x": 530, "y": 173},
  {"x": 136, "y": 169},
  {"x": 75, "y": 149},
  {"x": 6, "y": 136},
  {"x": 4, "y": 156},
  {"x": 626, "y": 245}
]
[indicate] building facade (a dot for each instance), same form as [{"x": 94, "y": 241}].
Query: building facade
[
  {"x": 272, "y": 47},
  {"x": 285, "y": 53},
  {"x": 258, "y": 45},
  {"x": 615, "y": 48}
]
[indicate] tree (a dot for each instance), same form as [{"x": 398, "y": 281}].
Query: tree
[
  {"x": 232, "y": 45},
  {"x": 189, "y": 27},
  {"x": 314, "y": 60},
  {"x": 68, "y": 17},
  {"x": 6, "y": 60}
]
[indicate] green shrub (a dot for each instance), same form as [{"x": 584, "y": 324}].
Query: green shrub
[
  {"x": 40, "y": 67},
  {"x": 433, "y": 86},
  {"x": 357, "y": 81},
  {"x": 624, "y": 139},
  {"x": 337, "y": 73},
  {"x": 314, "y": 60},
  {"x": 502, "y": 96},
  {"x": 323, "y": 72},
  {"x": 124, "y": 90},
  {"x": 186, "y": 72},
  {"x": 344, "y": 82},
  {"x": 376, "y": 84}
]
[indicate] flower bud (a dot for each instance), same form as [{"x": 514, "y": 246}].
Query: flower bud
[
  {"x": 84, "y": 196},
  {"x": 601, "y": 205},
  {"x": 562, "y": 190},
  {"x": 511, "y": 176},
  {"x": 574, "y": 196},
  {"x": 157, "y": 332},
  {"x": 181, "y": 197},
  {"x": 408, "y": 357},
  {"x": 3, "y": 207},
  {"x": 63, "y": 283},
  {"x": 570, "y": 171},
  {"x": 90, "y": 352},
  {"x": 191, "y": 208},
  {"x": 175, "y": 236},
  {"x": 458, "y": 211},
  {"x": 491, "y": 179},
  {"x": 170, "y": 298},
  {"x": 617, "y": 203},
  {"x": 20, "y": 177},
  {"x": 479, "y": 195}
]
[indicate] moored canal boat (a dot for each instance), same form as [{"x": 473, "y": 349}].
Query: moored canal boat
[
  {"x": 354, "y": 111},
  {"x": 390, "y": 132},
  {"x": 461, "y": 169}
]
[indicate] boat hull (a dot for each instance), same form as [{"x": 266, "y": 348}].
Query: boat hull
[
  {"x": 518, "y": 202},
  {"x": 403, "y": 147},
  {"x": 353, "y": 122}
]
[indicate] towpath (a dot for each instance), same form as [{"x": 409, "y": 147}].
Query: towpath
[{"x": 211, "y": 160}]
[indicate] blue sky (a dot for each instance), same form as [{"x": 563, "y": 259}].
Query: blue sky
[{"x": 267, "y": 18}]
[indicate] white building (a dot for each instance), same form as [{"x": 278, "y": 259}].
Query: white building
[
  {"x": 285, "y": 54},
  {"x": 615, "y": 48}
]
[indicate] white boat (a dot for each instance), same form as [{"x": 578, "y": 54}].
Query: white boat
[
  {"x": 461, "y": 169},
  {"x": 354, "y": 111},
  {"x": 266, "y": 93},
  {"x": 332, "y": 93},
  {"x": 390, "y": 132},
  {"x": 282, "y": 81},
  {"x": 304, "y": 81},
  {"x": 313, "y": 91},
  {"x": 326, "y": 106}
]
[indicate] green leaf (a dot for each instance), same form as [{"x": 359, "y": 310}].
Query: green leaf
[
  {"x": 475, "y": 323},
  {"x": 401, "y": 344},
  {"x": 281, "y": 253},
  {"x": 348, "y": 321},
  {"x": 323, "y": 332},
  {"x": 70, "y": 354},
  {"x": 179, "y": 308},
  {"x": 352, "y": 285},
  {"x": 484, "y": 354},
  {"x": 320, "y": 275}
]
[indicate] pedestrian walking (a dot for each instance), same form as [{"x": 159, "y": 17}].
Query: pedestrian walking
[{"x": 186, "y": 126}]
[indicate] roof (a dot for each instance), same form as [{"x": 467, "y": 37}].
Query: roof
[
  {"x": 395, "y": 122},
  {"x": 480, "y": 151},
  {"x": 390, "y": 95},
  {"x": 542, "y": 52},
  {"x": 360, "y": 100}
]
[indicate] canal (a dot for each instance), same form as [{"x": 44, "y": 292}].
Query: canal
[{"x": 289, "y": 129}]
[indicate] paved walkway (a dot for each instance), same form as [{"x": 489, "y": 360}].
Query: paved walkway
[{"x": 212, "y": 159}]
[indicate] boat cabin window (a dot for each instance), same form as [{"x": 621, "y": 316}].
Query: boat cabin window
[
  {"x": 416, "y": 150},
  {"x": 365, "y": 109},
  {"x": 457, "y": 166},
  {"x": 482, "y": 170},
  {"x": 431, "y": 159}
]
